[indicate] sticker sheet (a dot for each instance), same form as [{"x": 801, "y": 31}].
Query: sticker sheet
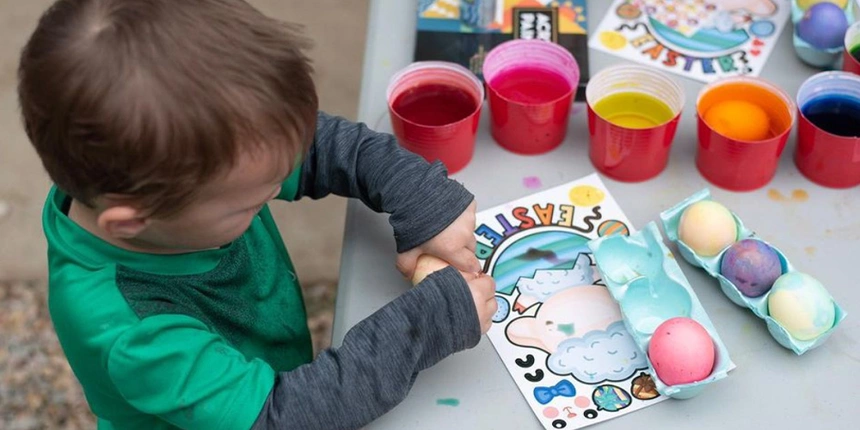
[
  {"x": 558, "y": 330},
  {"x": 699, "y": 39}
]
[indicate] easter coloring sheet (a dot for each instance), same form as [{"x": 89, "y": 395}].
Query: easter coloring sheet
[
  {"x": 700, "y": 39},
  {"x": 557, "y": 329}
]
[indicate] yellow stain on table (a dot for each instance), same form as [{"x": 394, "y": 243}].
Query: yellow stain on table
[
  {"x": 776, "y": 196},
  {"x": 631, "y": 109},
  {"x": 797, "y": 196},
  {"x": 586, "y": 195},
  {"x": 810, "y": 250}
]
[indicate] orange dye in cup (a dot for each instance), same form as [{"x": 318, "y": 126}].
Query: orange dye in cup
[{"x": 744, "y": 112}]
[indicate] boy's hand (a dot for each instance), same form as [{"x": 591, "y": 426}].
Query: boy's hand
[
  {"x": 483, "y": 289},
  {"x": 456, "y": 245}
]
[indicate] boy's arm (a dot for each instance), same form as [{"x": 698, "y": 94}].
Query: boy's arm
[
  {"x": 193, "y": 379},
  {"x": 350, "y": 160}
]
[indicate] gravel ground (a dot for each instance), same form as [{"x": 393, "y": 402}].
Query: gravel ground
[{"x": 37, "y": 387}]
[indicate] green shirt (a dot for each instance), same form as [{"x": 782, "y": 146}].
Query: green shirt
[
  {"x": 129, "y": 322},
  {"x": 218, "y": 339}
]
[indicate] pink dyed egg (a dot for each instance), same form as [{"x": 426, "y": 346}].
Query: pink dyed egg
[{"x": 681, "y": 351}]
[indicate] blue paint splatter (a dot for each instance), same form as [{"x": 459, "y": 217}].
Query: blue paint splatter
[{"x": 448, "y": 402}]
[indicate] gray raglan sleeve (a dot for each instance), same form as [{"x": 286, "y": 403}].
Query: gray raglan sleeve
[
  {"x": 373, "y": 370},
  {"x": 350, "y": 160}
]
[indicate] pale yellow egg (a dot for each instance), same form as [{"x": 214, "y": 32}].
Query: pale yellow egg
[
  {"x": 707, "y": 227},
  {"x": 801, "y": 305}
]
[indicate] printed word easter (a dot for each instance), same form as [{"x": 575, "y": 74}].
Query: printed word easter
[
  {"x": 524, "y": 218},
  {"x": 640, "y": 38}
]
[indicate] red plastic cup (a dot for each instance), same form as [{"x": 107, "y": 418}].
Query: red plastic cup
[
  {"x": 825, "y": 158},
  {"x": 852, "y": 40},
  {"x": 450, "y": 140},
  {"x": 527, "y": 127},
  {"x": 619, "y": 149},
  {"x": 736, "y": 164}
]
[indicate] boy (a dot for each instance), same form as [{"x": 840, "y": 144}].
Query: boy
[{"x": 167, "y": 126}]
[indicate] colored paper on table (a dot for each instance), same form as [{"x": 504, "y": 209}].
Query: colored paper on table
[
  {"x": 464, "y": 31},
  {"x": 558, "y": 330},
  {"x": 699, "y": 39}
]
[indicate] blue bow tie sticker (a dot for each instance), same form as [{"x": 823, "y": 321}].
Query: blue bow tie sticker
[{"x": 545, "y": 395}]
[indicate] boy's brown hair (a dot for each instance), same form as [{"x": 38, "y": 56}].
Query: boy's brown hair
[{"x": 151, "y": 98}]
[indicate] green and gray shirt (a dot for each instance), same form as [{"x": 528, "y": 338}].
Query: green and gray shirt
[{"x": 218, "y": 339}]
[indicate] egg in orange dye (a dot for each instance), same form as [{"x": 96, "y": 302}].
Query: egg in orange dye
[{"x": 739, "y": 120}]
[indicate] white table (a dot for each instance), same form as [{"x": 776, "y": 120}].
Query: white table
[{"x": 771, "y": 387}]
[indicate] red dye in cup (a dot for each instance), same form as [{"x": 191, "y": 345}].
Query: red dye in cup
[
  {"x": 434, "y": 104},
  {"x": 435, "y": 108}
]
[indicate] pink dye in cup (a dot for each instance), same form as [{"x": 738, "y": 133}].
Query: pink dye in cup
[{"x": 531, "y": 85}]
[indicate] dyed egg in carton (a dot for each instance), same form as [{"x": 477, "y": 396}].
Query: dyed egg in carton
[
  {"x": 824, "y": 58},
  {"x": 758, "y": 305},
  {"x": 643, "y": 276}
]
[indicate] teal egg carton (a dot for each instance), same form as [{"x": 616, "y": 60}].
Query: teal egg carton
[
  {"x": 758, "y": 305},
  {"x": 820, "y": 58},
  {"x": 643, "y": 276}
]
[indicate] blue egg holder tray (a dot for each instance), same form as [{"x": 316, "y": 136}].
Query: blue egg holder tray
[
  {"x": 643, "y": 276},
  {"x": 816, "y": 57},
  {"x": 758, "y": 305}
]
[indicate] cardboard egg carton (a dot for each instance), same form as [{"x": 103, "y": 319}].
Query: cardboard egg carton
[
  {"x": 643, "y": 276},
  {"x": 758, "y": 305}
]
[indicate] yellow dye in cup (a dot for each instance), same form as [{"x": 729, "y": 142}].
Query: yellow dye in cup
[{"x": 633, "y": 110}]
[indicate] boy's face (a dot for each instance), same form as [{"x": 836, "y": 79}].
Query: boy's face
[{"x": 223, "y": 208}]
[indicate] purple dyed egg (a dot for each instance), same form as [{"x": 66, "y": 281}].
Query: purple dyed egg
[
  {"x": 752, "y": 265},
  {"x": 823, "y": 26}
]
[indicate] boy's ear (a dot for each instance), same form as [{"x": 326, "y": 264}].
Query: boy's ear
[{"x": 122, "y": 222}]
